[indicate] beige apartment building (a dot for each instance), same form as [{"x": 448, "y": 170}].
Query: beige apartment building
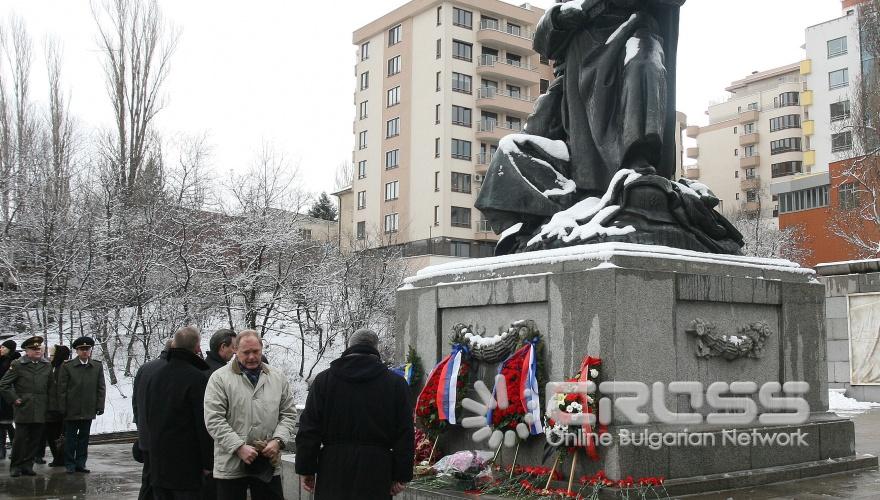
[
  {"x": 753, "y": 139},
  {"x": 438, "y": 84}
]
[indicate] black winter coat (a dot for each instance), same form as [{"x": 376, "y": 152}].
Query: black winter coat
[
  {"x": 6, "y": 409},
  {"x": 362, "y": 415},
  {"x": 139, "y": 397},
  {"x": 180, "y": 447},
  {"x": 214, "y": 361}
]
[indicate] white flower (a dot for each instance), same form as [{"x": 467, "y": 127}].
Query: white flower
[
  {"x": 569, "y": 409},
  {"x": 589, "y": 399},
  {"x": 577, "y": 406},
  {"x": 594, "y": 372}
]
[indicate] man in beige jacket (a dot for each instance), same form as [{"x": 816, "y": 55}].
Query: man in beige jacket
[{"x": 249, "y": 411}]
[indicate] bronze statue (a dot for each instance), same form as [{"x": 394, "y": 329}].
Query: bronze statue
[{"x": 599, "y": 149}]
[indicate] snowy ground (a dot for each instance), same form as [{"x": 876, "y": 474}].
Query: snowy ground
[{"x": 844, "y": 406}]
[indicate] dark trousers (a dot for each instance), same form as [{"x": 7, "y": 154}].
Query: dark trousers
[
  {"x": 209, "y": 488},
  {"x": 166, "y": 494},
  {"x": 146, "y": 492},
  {"x": 24, "y": 446},
  {"x": 236, "y": 489},
  {"x": 4, "y": 430},
  {"x": 51, "y": 434},
  {"x": 76, "y": 443}
]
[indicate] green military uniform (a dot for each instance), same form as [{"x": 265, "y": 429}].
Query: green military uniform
[
  {"x": 81, "y": 392},
  {"x": 30, "y": 382}
]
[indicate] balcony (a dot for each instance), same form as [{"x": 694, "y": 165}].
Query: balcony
[
  {"x": 507, "y": 69},
  {"x": 693, "y": 131},
  {"x": 809, "y": 127},
  {"x": 806, "y": 67},
  {"x": 492, "y": 99},
  {"x": 693, "y": 153},
  {"x": 806, "y": 98},
  {"x": 491, "y": 33},
  {"x": 749, "y": 115},
  {"x": 490, "y": 130},
  {"x": 750, "y": 161},
  {"x": 809, "y": 158},
  {"x": 747, "y": 139},
  {"x": 692, "y": 173},
  {"x": 483, "y": 226},
  {"x": 750, "y": 183}
]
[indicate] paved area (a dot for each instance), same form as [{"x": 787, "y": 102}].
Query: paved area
[{"x": 116, "y": 476}]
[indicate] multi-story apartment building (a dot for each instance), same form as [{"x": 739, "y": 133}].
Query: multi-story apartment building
[
  {"x": 438, "y": 84},
  {"x": 752, "y": 140}
]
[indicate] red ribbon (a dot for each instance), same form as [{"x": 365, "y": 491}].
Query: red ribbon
[{"x": 589, "y": 361}]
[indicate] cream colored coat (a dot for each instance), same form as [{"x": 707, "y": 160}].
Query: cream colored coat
[{"x": 238, "y": 413}]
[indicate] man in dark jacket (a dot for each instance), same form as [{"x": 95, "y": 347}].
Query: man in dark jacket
[
  {"x": 26, "y": 387},
  {"x": 356, "y": 432},
  {"x": 221, "y": 349},
  {"x": 81, "y": 392},
  {"x": 181, "y": 451},
  {"x": 139, "y": 410},
  {"x": 8, "y": 354}
]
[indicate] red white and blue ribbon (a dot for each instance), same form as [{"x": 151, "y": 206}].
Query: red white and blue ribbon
[
  {"x": 447, "y": 394},
  {"x": 532, "y": 401}
]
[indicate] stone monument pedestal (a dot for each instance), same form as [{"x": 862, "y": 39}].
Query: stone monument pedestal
[{"x": 635, "y": 306}]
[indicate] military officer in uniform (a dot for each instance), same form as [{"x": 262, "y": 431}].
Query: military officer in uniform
[
  {"x": 81, "y": 393},
  {"x": 26, "y": 387}
]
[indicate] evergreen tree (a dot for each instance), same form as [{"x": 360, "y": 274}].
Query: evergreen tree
[{"x": 323, "y": 208}]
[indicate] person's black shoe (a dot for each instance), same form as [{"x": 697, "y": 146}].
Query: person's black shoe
[
  {"x": 39, "y": 460},
  {"x": 15, "y": 473},
  {"x": 28, "y": 472},
  {"x": 56, "y": 464},
  {"x": 83, "y": 470}
]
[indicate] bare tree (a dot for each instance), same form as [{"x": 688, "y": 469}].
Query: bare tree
[{"x": 344, "y": 176}]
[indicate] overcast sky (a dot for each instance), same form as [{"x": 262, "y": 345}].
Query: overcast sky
[{"x": 238, "y": 72}]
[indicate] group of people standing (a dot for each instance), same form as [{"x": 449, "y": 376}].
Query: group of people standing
[{"x": 50, "y": 402}]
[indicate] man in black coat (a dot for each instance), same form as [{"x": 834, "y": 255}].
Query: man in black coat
[
  {"x": 356, "y": 432},
  {"x": 139, "y": 410},
  {"x": 181, "y": 451},
  {"x": 221, "y": 349}
]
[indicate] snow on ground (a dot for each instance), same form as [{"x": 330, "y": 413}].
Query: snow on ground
[{"x": 838, "y": 403}]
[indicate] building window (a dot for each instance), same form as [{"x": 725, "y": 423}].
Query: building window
[
  {"x": 392, "y": 127},
  {"x": 365, "y": 80},
  {"x": 436, "y": 215},
  {"x": 751, "y": 196},
  {"x": 394, "y": 65},
  {"x": 365, "y": 51},
  {"x": 461, "y": 116},
  {"x": 514, "y": 91},
  {"x": 514, "y": 60},
  {"x": 460, "y": 217},
  {"x": 753, "y": 106},
  {"x": 784, "y": 122},
  {"x": 459, "y": 248},
  {"x": 803, "y": 199},
  {"x": 462, "y": 18},
  {"x": 462, "y": 51},
  {"x": 461, "y": 83},
  {"x": 544, "y": 85},
  {"x": 787, "y": 99},
  {"x": 393, "y": 96},
  {"x": 362, "y": 140},
  {"x": 514, "y": 29},
  {"x": 735, "y": 151},
  {"x": 737, "y": 196},
  {"x": 488, "y": 23},
  {"x": 436, "y": 147},
  {"x": 436, "y": 181},
  {"x": 438, "y": 81},
  {"x": 439, "y": 48},
  {"x": 461, "y": 183},
  {"x": 306, "y": 234},
  {"x": 461, "y": 149},
  {"x": 786, "y": 168},
  {"x": 362, "y": 110},
  {"x": 361, "y": 230},
  {"x": 392, "y": 190},
  {"x": 848, "y": 196},
  {"x": 436, "y": 114},
  {"x": 836, "y": 47},
  {"x": 439, "y": 16},
  {"x": 785, "y": 145},
  {"x": 391, "y": 159},
  {"x": 749, "y": 128},
  {"x": 839, "y": 78},
  {"x": 362, "y": 169},
  {"x": 394, "y": 35},
  {"x": 749, "y": 151},
  {"x": 391, "y": 223},
  {"x": 736, "y": 174},
  {"x": 841, "y": 141},
  {"x": 839, "y": 110},
  {"x": 544, "y": 60},
  {"x": 362, "y": 200}
]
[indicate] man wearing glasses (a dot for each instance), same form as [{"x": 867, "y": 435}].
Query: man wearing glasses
[{"x": 81, "y": 397}]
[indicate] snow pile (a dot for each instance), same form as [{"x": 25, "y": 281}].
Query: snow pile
[
  {"x": 478, "y": 341},
  {"x": 839, "y": 403}
]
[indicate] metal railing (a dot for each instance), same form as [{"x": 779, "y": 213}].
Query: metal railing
[
  {"x": 491, "y": 125},
  {"x": 491, "y": 92},
  {"x": 483, "y": 226},
  {"x": 525, "y": 34},
  {"x": 488, "y": 60}
]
